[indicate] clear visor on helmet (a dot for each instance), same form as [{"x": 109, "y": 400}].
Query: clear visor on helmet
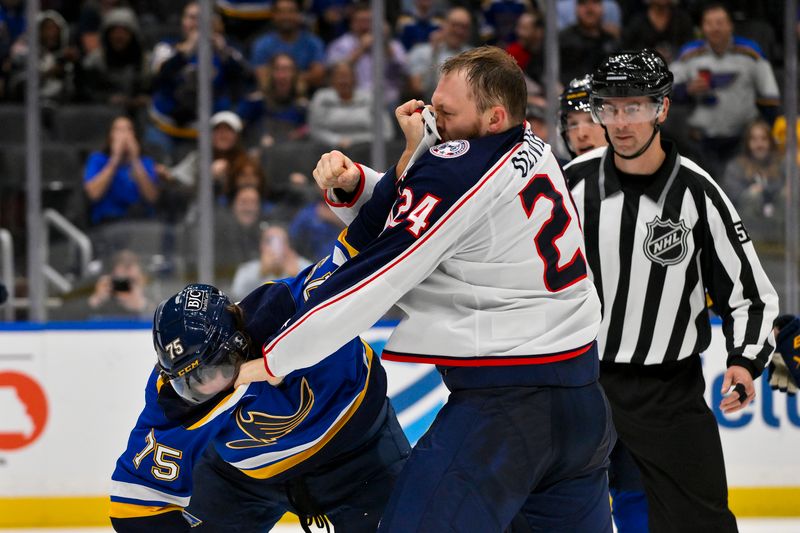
[
  {"x": 608, "y": 111},
  {"x": 209, "y": 378}
]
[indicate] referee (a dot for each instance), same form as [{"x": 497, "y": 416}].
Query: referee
[{"x": 660, "y": 234}]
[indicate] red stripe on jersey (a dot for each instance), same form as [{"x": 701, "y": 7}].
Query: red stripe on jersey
[
  {"x": 361, "y": 181},
  {"x": 485, "y": 361}
]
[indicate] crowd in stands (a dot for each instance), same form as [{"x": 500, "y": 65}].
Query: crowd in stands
[{"x": 293, "y": 78}]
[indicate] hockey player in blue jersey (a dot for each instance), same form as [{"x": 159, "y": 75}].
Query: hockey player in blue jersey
[
  {"x": 324, "y": 443},
  {"x": 478, "y": 243}
]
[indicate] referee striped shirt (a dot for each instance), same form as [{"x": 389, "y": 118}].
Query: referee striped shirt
[{"x": 655, "y": 245}]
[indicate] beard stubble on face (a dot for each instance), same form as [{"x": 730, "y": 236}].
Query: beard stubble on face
[{"x": 472, "y": 131}]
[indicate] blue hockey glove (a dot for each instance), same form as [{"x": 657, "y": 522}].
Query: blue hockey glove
[{"x": 784, "y": 368}]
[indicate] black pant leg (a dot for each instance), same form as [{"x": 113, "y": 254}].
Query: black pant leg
[
  {"x": 352, "y": 491},
  {"x": 661, "y": 416}
]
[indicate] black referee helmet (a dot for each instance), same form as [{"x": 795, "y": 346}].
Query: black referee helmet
[
  {"x": 640, "y": 73},
  {"x": 631, "y": 74}
]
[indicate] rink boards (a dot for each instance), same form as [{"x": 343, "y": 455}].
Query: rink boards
[{"x": 69, "y": 394}]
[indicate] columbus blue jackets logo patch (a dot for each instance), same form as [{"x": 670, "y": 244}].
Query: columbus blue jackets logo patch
[
  {"x": 450, "y": 149},
  {"x": 665, "y": 243}
]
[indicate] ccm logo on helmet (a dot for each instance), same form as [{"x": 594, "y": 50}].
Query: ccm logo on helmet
[
  {"x": 194, "y": 364},
  {"x": 196, "y": 300}
]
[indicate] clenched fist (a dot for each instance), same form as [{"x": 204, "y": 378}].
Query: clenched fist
[{"x": 336, "y": 171}]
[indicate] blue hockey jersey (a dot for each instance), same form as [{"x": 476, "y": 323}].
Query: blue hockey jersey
[{"x": 267, "y": 432}]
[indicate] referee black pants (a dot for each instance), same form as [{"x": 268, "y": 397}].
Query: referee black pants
[{"x": 661, "y": 416}]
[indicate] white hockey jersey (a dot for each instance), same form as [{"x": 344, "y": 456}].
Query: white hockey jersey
[{"x": 478, "y": 244}]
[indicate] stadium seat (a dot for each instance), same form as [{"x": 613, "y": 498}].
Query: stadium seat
[
  {"x": 12, "y": 117},
  {"x": 84, "y": 124},
  {"x": 282, "y": 159}
]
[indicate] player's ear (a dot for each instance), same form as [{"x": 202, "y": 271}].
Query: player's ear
[
  {"x": 497, "y": 119},
  {"x": 662, "y": 117}
]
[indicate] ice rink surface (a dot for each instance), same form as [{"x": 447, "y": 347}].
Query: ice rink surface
[{"x": 749, "y": 525}]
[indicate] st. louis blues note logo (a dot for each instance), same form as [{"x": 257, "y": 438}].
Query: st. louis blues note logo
[
  {"x": 450, "y": 149},
  {"x": 265, "y": 429},
  {"x": 665, "y": 243}
]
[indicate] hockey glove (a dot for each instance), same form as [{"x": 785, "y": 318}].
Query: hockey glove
[{"x": 784, "y": 368}]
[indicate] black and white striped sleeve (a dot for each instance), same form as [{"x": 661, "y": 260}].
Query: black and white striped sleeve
[{"x": 738, "y": 287}]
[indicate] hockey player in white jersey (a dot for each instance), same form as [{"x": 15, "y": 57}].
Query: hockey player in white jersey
[{"x": 478, "y": 243}]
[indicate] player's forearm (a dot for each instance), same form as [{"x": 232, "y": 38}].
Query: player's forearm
[
  {"x": 347, "y": 204},
  {"x": 402, "y": 163},
  {"x": 327, "y": 327}
]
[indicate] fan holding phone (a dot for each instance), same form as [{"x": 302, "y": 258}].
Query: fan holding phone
[{"x": 121, "y": 292}]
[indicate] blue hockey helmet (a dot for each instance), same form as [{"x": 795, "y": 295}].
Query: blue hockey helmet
[{"x": 199, "y": 345}]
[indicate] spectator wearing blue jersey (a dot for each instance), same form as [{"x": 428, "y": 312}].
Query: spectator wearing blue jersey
[
  {"x": 119, "y": 181},
  {"x": 289, "y": 37},
  {"x": 244, "y": 19},
  {"x": 501, "y": 20},
  {"x": 417, "y": 25},
  {"x": 12, "y": 25},
  {"x": 277, "y": 112},
  {"x": 12, "y": 18},
  {"x": 314, "y": 230},
  {"x": 173, "y": 111},
  {"x": 330, "y": 17}
]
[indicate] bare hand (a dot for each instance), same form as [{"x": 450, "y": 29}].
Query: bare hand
[
  {"x": 253, "y": 371},
  {"x": 133, "y": 147},
  {"x": 189, "y": 46},
  {"x": 102, "y": 291},
  {"x": 219, "y": 43},
  {"x": 336, "y": 171},
  {"x": 163, "y": 172},
  {"x": 366, "y": 41},
  {"x": 410, "y": 122},
  {"x": 118, "y": 147},
  {"x": 730, "y": 402},
  {"x": 436, "y": 38},
  {"x": 219, "y": 169}
]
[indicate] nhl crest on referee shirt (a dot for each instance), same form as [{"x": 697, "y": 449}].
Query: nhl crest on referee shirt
[{"x": 665, "y": 243}]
